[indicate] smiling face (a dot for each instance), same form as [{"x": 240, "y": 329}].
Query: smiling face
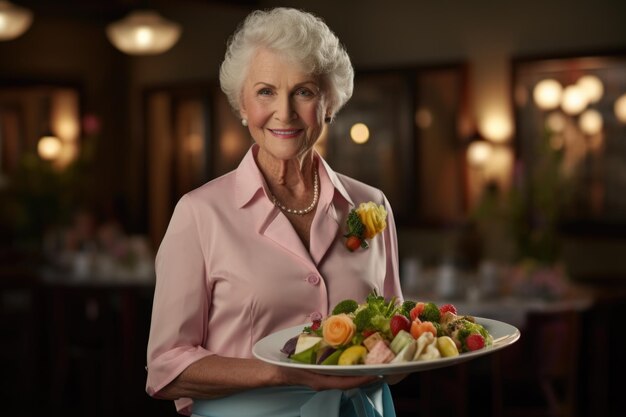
[{"x": 284, "y": 106}]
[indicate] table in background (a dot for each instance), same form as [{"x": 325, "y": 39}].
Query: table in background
[{"x": 81, "y": 345}]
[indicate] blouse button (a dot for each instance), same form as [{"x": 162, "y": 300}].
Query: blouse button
[
  {"x": 313, "y": 279},
  {"x": 316, "y": 316}
]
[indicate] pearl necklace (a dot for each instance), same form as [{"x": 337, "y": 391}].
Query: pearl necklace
[{"x": 301, "y": 212}]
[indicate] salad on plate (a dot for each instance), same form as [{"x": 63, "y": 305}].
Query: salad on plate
[{"x": 380, "y": 331}]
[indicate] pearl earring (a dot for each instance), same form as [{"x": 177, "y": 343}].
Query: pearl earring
[{"x": 244, "y": 122}]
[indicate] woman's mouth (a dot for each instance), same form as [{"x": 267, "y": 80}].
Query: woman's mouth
[{"x": 286, "y": 133}]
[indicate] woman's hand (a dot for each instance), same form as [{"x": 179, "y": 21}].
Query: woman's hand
[
  {"x": 214, "y": 376},
  {"x": 319, "y": 382},
  {"x": 394, "y": 379}
]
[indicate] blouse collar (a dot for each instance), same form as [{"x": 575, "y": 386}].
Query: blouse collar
[{"x": 250, "y": 183}]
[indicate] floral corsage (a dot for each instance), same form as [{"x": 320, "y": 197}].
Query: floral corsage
[{"x": 365, "y": 222}]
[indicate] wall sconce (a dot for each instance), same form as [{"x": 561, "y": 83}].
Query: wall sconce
[
  {"x": 143, "y": 32},
  {"x": 14, "y": 20}
]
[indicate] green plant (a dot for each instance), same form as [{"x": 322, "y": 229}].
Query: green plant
[
  {"x": 530, "y": 211},
  {"x": 39, "y": 196}
]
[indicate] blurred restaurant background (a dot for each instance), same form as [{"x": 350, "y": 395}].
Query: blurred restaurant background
[{"x": 496, "y": 129}]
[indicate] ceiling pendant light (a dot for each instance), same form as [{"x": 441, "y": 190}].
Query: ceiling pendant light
[
  {"x": 143, "y": 32},
  {"x": 14, "y": 20}
]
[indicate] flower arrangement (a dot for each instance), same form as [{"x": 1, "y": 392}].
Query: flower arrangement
[{"x": 364, "y": 222}]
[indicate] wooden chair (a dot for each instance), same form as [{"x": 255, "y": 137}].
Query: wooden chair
[{"x": 538, "y": 375}]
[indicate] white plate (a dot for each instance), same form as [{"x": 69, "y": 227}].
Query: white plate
[{"x": 268, "y": 350}]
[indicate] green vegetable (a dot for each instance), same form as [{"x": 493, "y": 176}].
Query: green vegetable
[
  {"x": 465, "y": 328},
  {"x": 440, "y": 330},
  {"x": 333, "y": 358},
  {"x": 381, "y": 324},
  {"x": 363, "y": 319},
  {"x": 430, "y": 313},
  {"x": 406, "y": 308},
  {"x": 345, "y": 306},
  {"x": 477, "y": 328},
  {"x": 355, "y": 225},
  {"x": 402, "y": 339},
  {"x": 375, "y": 314},
  {"x": 380, "y": 306},
  {"x": 310, "y": 330},
  {"x": 358, "y": 338},
  {"x": 306, "y": 356}
]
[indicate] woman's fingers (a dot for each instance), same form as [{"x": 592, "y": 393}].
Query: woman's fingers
[{"x": 320, "y": 382}]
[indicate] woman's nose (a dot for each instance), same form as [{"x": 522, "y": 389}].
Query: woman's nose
[{"x": 285, "y": 111}]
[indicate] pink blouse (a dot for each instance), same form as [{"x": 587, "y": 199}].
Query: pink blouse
[{"x": 231, "y": 269}]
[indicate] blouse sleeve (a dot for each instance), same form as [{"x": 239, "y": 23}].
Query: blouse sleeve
[
  {"x": 392, "y": 277},
  {"x": 181, "y": 302}
]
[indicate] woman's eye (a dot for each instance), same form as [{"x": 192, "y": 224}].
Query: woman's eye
[
  {"x": 264, "y": 92},
  {"x": 304, "y": 92}
]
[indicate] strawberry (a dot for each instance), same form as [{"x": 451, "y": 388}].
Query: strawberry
[
  {"x": 447, "y": 307},
  {"x": 475, "y": 341},
  {"x": 353, "y": 243},
  {"x": 399, "y": 322}
]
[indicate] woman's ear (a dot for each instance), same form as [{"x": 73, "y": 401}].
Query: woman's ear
[{"x": 243, "y": 115}]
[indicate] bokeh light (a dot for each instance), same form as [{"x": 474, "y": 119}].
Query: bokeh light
[
  {"x": 620, "y": 108},
  {"x": 478, "y": 153},
  {"x": 591, "y": 122},
  {"x": 574, "y": 100},
  {"x": 592, "y": 86},
  {"x": 49, "y": 148},
  {"x": 360, "y": 133},
  {"x": 547, "y": 94}
]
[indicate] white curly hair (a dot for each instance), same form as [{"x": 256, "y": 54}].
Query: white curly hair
[{"x": 297, "y": 35}]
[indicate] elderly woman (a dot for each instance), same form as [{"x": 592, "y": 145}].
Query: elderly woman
[{"x": 262, "y": 248}]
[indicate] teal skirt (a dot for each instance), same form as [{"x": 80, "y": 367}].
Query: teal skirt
[{"x": 296, "y": 401}]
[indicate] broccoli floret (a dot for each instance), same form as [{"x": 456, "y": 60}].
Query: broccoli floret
[
  {"x": 363, "y": 319},
  {"x": 381, "y": 323},
  {"x": 345, "y": 306},
  {"x": 477, "y": 328},
  {"x": 439, "y": 328},
  {"x": 430, "y": 313},
  {"x": 373, "y": 299},
  {"x": 358, "y": 339},
  {"x": 456, "y": 326},
  {"x": 375, "y": 313},
  {"x": 355, "y": 225},
  {"x": 406, "y": 308},
  {"x": 463, "y": 333},
  {"x": 467, "y": 327}
]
